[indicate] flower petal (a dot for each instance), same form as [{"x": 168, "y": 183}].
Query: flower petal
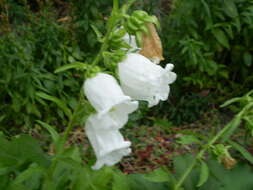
[
  {"x": 108, "y": 143},
  {"x": 105, "y": 94},
  {"x": 143, "y": 80}
]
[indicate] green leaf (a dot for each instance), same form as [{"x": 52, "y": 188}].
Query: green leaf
[
  {"x": 102, "y": 177},
  {"x": 97, "y": 32},
  {"x": 247, "y": 58},
  {"x": 76, "y": 65},
  {"x": 120, "y": 182},
  {"x": 230, "y": 8},
  {"x": 180, "y": 164},
  {"x": 221, "y": 37},
  {"x": 242, "y": 150},
  {"x": 138, "y": 36},
  {"x": 16, "y": 187},
  {"x": 138, "y": 182},
  {"x": 158, "y": 175},
  {"x": 233, "y": 100},
  {"x": 32, "y": 176},
  {"x": 204, "y": 173},
  {"x": 2, "y": 117},
  {"x": 153, "y": 19},
  {"x": 19, "y": 150},
  {"x": 238, "y": 178},
  {"x": 58, "y": 102},
  {"x": 233, "y": 126},
  {"x": 55, "y": 136},
  {"x": 73, "y": 153},
  {"x": 187, "y": 139}
]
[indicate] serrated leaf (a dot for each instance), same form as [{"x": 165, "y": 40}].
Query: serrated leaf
[
  {"x": 76, "y": 65},
  {"x": 204, "y": 174},
  {"x": 242, "y": 150},
  {"x": 58, "y": 102}
]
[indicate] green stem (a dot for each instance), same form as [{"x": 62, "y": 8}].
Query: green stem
[
  {"x": 110, "y": 24},
  {"x": 113, "y": 19},
  {"x": 201, "y": 153},
  {"x": 116, "y": 5}
]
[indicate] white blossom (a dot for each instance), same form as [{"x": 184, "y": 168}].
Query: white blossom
[
  {"x": 107, "y": 97},
  {"x": 143, "y": 80},
  {"x": 108, "y": 143},
  {"x": 131, "y": 41}
]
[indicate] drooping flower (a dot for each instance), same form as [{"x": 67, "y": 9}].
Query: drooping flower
[
  {"x": 143, "y": 80},
  {"x": 131, "y": 41},
  {"x": 107, "y": 97},
  {"x": 108, "y": 143}
]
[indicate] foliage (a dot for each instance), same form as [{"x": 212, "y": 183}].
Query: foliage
[
  {"x": 30, "y": 52},
  {"x": 207, "y": 39},
  {"x": 220, "y": 178},
  {"x": 210, "y": 42},
  {"x": 25, "y": 166}
]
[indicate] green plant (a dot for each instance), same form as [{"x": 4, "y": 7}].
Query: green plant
[
  {"x": 223, "y": 136},
  {"x": 209, "y": 41}
]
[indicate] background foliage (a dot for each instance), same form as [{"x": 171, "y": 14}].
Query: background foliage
[{"x": 209, "y": 41}]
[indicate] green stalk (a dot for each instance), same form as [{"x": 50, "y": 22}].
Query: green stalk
[
  {"x": 111, "y": 23},
  {"x": 202, "y": 152},
  {"x": 113, "y": 19}
]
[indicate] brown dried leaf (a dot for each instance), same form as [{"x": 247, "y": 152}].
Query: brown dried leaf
[{"x": 64, "y": 19}]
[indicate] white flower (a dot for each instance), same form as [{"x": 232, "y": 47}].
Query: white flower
[
  {"x": 131, "y": 40},
  {"x": 106, "y": 96},
  {"x": 143, "y": 80},
  {"x": 108, "y": 143}
]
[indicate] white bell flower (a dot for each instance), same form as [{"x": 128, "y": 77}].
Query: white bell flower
[
  {"x": 107, "y": 97},
  {"x": 143, "y": 80},
  {"x": 131, "y": 41},
  {"x": 108, "y": 143}
]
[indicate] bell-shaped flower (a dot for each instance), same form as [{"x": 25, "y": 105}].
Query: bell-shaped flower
[
  {"x": 131, "y": 41},
  {"x": 107, "y": 97},
  {"x": 143, "y": 80},
  {"x": 108, "y": 143}
]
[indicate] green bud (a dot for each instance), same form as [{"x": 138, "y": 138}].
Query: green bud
[
  {"x": 136, "y": 21},
  {"x": 140, "y": 14}
]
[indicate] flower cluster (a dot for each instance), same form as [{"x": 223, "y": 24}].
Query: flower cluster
[{"x": 140, "y": 79}]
